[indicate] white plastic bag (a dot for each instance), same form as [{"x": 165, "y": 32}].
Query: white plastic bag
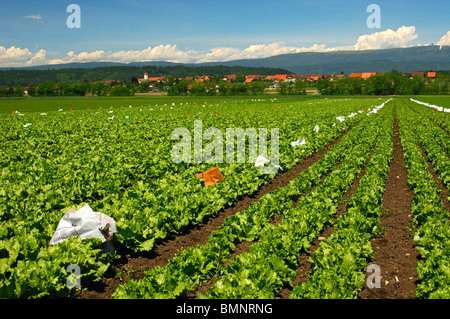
[
  {"x": 301, "y": 141},
  {"x": 84, "y": 223},
  {"x": 261, "y": 160}
]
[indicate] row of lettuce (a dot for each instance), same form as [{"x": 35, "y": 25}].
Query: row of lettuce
[
  {"x": 339, "y": 263},
  {"x": 272, "y": 260},
  {"x": 426, "y": 131},
  {"x": 307, "y": 206},
  {"x": 164, "y": 202},
  {"x": 122, "y": 167}
]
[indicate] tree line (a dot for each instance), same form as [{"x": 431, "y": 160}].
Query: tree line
[
  {"x": 23, "y": 77},
  {"x": 392, "y": 83},
  {"x": 172, "y": 86}
]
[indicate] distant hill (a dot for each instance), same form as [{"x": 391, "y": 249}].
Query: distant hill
[
  {"x": 70, "y": 73},
  {"x": 423, "y": 58},
  {"x": 403, "y": 59}
]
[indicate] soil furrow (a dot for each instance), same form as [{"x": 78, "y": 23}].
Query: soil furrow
[{"x": 395, "y": 251}]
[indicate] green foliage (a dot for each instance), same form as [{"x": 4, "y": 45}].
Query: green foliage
[
  {"x": 271, "y": 261},
  {"x": 15, "y": 77},
  {"x": 391, "y": 83},
  {"x": 120, "y": 90},
  {"x": 430, "y": 217}
]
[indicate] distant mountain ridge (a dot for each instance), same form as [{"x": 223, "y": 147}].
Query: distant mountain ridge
[{"x": 403, "y": 59}]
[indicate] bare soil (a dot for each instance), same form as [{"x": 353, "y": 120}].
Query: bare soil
[{"x": 395, "y": 251}]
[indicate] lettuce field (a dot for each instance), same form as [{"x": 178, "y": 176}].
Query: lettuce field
[{"x": 358, "y": 209}]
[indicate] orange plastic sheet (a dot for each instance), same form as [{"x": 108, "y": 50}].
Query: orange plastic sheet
[{"x": 211, "y": 176}]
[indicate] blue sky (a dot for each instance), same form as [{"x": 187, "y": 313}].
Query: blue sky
[{"x": 35, "y": 32}]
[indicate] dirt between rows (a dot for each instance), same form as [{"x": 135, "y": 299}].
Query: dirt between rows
[
  {"x": 132, "y": 265},
  {"x": 395, "y": 251}
]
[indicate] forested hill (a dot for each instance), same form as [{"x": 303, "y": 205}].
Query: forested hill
[{"x": 25, "y": 76}]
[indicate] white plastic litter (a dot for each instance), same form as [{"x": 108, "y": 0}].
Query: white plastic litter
[
  {"x": 111, "y": 118},
  {"x": 341, "y": 118},
  {"x": 84, "y": 223},
  {"x": 261, "y": 160},
  {"x": 316, "y": 128},
  {"x": 376, "y": 108},
  {"x": 26, "y": 125},
  {"x": 436, "y": 107},
  {"x": 299, "y": 142}
]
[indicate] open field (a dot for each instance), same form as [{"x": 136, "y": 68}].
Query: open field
[{"x": 361, "y": 210}]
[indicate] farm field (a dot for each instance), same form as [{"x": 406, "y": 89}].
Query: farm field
[{"x": 359, "y": 210}]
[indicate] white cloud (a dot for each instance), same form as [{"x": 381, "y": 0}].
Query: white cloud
[
  {"x": 33, "y": 17},
  {"x": 386, "y": 39},
  {"x": 13, "y": 54},
  {"x": 445, "y": 40},
  {"x": 401, "y": 37},
  {"x": 72, "y": 57},
  {"x": 37, "y": 59},
  {"x": 161, "y": 52},
  {"x": 171, "y": 53},
  {"x": 16, "y": 57}
]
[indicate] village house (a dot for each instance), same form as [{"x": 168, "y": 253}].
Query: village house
[
  {"x": 338, "y": 76},
  {"x": 280, "y": 77},
  {"x": 413, "y": 74},
  {"x": 367, "y": 75},
  {"x": 151, "y": 79},
  {"x": 251, "y": 78},
  {"x": 202, "y": 78},
  {"x": 229, "y": 78}
]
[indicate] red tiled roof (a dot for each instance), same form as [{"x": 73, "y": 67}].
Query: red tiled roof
[
  {"x": 367, "y": 75},
  {"x": 250, "y": 78},
  {"x": 280, "y": 77},
  {"x": 231, "y": 77}
]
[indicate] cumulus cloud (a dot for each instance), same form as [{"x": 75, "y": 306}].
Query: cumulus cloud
[
  {"x": 386, "y": 39},
  {"x": 401, "y": 37},
  {"x": 13, "y": 54},
  {"x": 171, "y": 53},
  {"x": 38, "y": 58},
  {"x": 15, "y": 57},
  {"x": 72, "y": 57},
  {"x": 445, "y": 40}
]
